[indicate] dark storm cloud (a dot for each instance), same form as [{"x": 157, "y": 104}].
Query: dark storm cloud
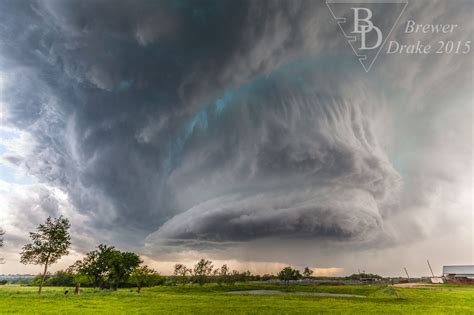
[
  {"x": 205, "y": 122},
  {"x": 103, "y": 87},
  {"x": 270, "y": 162}
]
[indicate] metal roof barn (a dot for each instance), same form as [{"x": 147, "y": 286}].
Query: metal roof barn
[{"x": 466, "y": 271}]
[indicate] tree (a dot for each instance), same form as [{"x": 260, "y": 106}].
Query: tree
[
  {"x": 307, "y": 272},
  {"x": 232, "y": 277},
  {"x": 222, "y": 274},
  {"x": 224, "y": 270},
  {"x": 182, "y": 272},
  {"x": 79, "y": 277},
  {"x": 288, "y": 273},
  {"x": 202, "y": 270},
  {"x": 121, "y": 265},
  {"x": 107, "y": 266},
  {"x": 95, "y": 265},
  {"x": 50, "y": 242},
  {"x": 143, "y": 277}
]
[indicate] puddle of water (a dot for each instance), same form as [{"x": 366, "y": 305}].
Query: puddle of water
[{"x": 267, "y": 292}]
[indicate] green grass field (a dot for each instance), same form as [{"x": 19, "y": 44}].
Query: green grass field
[{"x": 213, "y": 299}]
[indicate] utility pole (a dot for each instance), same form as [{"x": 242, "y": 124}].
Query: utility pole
[
  {"x": 430, "y": 268},
  {"x": 406, "y": 272}
]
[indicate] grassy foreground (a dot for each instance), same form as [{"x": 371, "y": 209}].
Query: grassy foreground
[{"x": 212, "y": 299}]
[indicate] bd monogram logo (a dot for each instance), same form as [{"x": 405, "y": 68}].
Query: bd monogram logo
[
  {"x": 365, "y": 33},
  {"x": 366, "y": 28}
]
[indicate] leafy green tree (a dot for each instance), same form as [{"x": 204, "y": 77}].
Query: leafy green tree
[
  {"x": 107, "y": 266},
  {"x": 288, "y": 273},
  {"x": 202, "y": 270},
  {"x": 144, "y": 276},
  {"x": 79, "y": 278},
  {"x": 307, "y": 272},
  {"x": 95, "y": 266},
  {"x": 182, "y": 272},
  {"x": 50, "y": 242},
  {"x": 121, "y": 265}
]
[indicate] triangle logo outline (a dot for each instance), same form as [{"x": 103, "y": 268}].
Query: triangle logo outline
[{"x": 352, "y": 39}]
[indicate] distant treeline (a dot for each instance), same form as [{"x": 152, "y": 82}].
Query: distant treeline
[
  {"x": 64, "y": 278},
  {"x": 98, "y": 269}
]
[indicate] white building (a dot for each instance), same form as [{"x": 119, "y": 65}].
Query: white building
[{"x": 466, "y": 271}]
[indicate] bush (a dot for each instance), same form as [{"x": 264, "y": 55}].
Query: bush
[
  {"x": 61, "y": 279},
  {"x": 359, "y": 276},
  {"x": 288, "y": 273}
]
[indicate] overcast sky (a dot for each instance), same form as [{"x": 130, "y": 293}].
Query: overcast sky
[{"x": 242, "y": 131}]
